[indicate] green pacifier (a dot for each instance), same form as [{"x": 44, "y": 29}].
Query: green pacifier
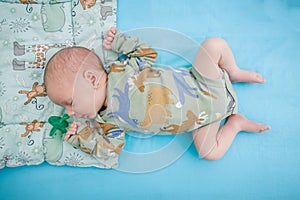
[{"x": 59, "y": 124}]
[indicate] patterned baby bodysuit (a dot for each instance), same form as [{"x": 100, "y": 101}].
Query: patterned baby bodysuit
[{"x": 144, "y": 98}]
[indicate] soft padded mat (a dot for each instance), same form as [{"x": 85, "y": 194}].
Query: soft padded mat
[
  {"x": 31, "y": 32},
  {"x": 265, "y": 37}
]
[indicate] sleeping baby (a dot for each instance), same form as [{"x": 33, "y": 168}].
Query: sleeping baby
[{"x": 130, "y": 94}]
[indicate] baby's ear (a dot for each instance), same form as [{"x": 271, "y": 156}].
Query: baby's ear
[{"x": 91, "y": 77}]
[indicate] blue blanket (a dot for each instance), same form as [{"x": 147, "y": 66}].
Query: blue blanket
[{"x": 264, "y": 36}]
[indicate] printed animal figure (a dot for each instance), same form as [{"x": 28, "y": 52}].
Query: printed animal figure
[
  {"x": 39, "y": 51},
  {"x": 146, "y": 52},
  {"x": 110, "y": 130},
  {"x": 36, "y": 91},
  {"x": 53, "y": 16},
  {"x": 117, "y": 68},
  {"x": 85, "y": 133},
  {"x": 88, "y": 3},
  {"x": 83, "y": 136},
  {"x": 124, "y": 106},
  {"x": 28, "y": 1},
  {"x": 143, "y": 75},
  {"x": 33, "y": 126},
  {"x": 192, "y": 119},
  {"x": 106, "y": 11},
  {"x": 182, "y": 86},
  {"x": 104, "y": 143},
  {"x": 156, "y": 101},
  {"x": 106, "y": 127},
  {"x": 118, "y": 149},
  {"x": 206, "y": 93}
]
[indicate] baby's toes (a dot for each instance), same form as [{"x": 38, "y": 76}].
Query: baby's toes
[
  {"x": 258, "y": 78},
  {"x": 264, "y": 128}
]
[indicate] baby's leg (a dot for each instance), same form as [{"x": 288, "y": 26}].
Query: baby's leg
[
  {"x": 212, "y": 142},
  {"x": 215, "y": 53}
]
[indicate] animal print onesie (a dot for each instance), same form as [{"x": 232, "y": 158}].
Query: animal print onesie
[{"x": 144, "y": 98}]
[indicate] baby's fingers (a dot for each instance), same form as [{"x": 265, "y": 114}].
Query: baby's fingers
[
  {"x": 107, "y": 45},
  {"x": 110, "y": 34},
  {"x": 112, "y": 31},
  {"x": 69, "y": 134},
  {"x": 72, "y": 125},
  {"x": 75, "y": 124},
  {"x": 72, "y": 130},
  {"x": 109, "y": 38}
]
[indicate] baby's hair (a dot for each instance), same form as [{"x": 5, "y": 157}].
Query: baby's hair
[{"x": 69, "y": 61}]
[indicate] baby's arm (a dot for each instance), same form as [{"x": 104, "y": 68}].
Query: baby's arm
[
  {"x": 140, "y": 54},
  {"x": 71, "y": 135},
  {"x": 101, "y": 141}
]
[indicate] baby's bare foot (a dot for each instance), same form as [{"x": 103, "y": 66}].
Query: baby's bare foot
[
  {"x": 249, "y": 126},
  {"x": 246, "y": 76}
]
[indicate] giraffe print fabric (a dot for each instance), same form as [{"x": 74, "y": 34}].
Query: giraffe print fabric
[{"x": 31, "y": 31}]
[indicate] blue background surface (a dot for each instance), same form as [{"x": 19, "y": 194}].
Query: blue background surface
[{"x": 265, "y": 37}]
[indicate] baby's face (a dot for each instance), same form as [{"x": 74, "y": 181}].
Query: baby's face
[{"x": 80, "y": 97}]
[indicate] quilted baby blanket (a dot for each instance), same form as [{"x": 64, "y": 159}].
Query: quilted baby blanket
[{"x": 31, "y": 31}]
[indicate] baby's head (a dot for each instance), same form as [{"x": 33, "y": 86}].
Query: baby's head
[{"x": 75, "y": 79}]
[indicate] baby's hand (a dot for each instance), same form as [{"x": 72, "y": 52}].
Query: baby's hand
[
  {"x": 107, "y": 43},
  {"x": 72, "y": 130}
]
